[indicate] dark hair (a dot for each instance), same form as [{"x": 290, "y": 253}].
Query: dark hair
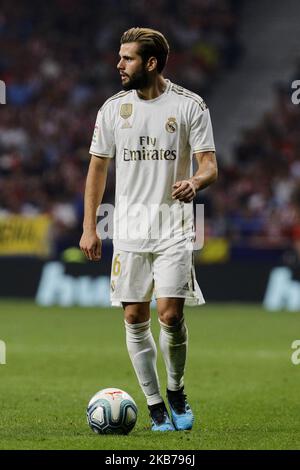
[{"x": 152, "y": 43}]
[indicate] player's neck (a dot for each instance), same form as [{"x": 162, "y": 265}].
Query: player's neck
[{"x": 154, "y": 90}]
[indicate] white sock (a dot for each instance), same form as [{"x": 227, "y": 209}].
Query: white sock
[
  {"x": 173, "y": 342},
  {"x": 143, "y": 353}
]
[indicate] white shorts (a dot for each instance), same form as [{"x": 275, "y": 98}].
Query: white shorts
[{"x": 136, "y": 277}]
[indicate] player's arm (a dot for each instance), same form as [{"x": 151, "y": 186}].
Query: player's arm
[
  {"x": 206, "y": 174},
  {"x": 90, "y": 244}
]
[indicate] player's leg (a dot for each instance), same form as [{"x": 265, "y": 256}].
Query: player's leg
[
  {"x": 173, "y": 282},
  {"x": 142, "y": 349},
  {"x": 173, "y": 342},
  {"x": 143, "y": 354},
  {"x": 132, "y": 284},
  {"x": 131, "y": 287},
  {"x": 171, "y": 273}
]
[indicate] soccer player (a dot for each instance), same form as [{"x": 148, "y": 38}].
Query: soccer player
[{"x": 153, "y": 129}]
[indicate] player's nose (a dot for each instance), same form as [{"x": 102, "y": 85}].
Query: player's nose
[{"x": 120, "y": 65}]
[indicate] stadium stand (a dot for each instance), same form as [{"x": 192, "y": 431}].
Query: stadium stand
[{"x": 256, "y": 201}]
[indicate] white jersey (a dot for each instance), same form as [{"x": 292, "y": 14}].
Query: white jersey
[{"x": 153, "y": 142}]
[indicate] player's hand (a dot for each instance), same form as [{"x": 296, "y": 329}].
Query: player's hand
[
  {"x": 91, "y": 245},
  {"x": 184, "y": 190}
]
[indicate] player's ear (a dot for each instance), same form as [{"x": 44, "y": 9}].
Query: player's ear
[{"x": 151, "y": 64}]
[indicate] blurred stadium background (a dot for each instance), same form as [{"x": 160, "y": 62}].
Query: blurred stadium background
[{"x": 58, "y": 62}]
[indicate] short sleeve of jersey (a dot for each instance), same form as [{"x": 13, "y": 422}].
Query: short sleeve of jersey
[
  {"x": 103, "y": 143},
  {"x": 201, "y": 134}
]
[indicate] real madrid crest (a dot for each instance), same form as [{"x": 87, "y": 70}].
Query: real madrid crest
[
  {"x": 125, "y": 113},
  {"x": 171, "y": 125}
]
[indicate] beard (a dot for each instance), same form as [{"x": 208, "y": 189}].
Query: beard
[{"x": 137, "y": 81}]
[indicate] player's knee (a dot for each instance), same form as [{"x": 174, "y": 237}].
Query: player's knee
[
  {"x": 170, "y": 311},
  {"x": 136, "y": 314},
  {"x": 133, "y": 318},
  {"x": 170, "y": 317}
]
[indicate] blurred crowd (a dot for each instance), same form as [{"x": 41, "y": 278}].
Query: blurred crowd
[
  {"x": 58, "y": 61},
  {"x": 256, "y": 201}
]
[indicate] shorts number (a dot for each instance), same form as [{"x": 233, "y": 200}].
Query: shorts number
[{"x": 116, "y": 269}]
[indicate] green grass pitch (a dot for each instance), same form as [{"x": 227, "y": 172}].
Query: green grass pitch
[{"x": 240, "y": 380}]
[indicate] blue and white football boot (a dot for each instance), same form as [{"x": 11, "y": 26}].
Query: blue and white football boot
[
  {"x": 160, "y": 420},
  {"x": 181, "y": 413}
]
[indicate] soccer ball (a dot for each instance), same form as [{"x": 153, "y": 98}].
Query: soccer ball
[{"x": 111, "y": 411}]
